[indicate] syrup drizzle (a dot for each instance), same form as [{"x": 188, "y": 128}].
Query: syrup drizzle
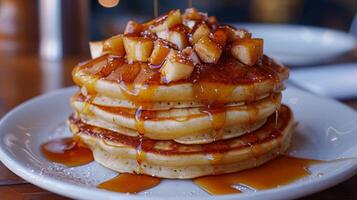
[
  {"x": 88, "y": 101},
  {"x": 281, "y": 171},
  {"x": 130, "y": 183},
  {"x": 215, "y": 160},
  {"x": 213, "y": 96},
  {"x": 217, "y": 117},
  {"x": 140, "y": 155},
  {"x": 139, "y": 125},
  {"x": 67, "y": 151},
  {"x": 139, "y": 121}
]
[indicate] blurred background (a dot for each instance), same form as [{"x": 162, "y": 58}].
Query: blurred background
[
  {"x": 76, "y": 22},
  {"x": 42, "y": 40},
  {"x": 336, "y": 14}
]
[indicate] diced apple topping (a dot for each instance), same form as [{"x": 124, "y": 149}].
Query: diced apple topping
[
  {"x": 171, "y": 19},
  {"x": 114, "y": 45},
  {"x": 248, "y": 51},
  {"x": 179, "y": 38},
  {"x": 207, "y": 50},
  {"x": 159, "y": 53},
  {"x": 194, "y": 14},
  {"x": 163, "y": 34},
  {"x": 133, "y": 27},
  {"x": 189, "y": 23},
  {"x": 96, "y": 49},
  {"x": 191, "y": 54},
  {"x": 178, "y": 42},
  {"x": 191, "y": 17},
  {"x": 236, "y": 34},
  {"x": 201, "y": 30},
  {"x": 176, "y": 67},
  {"x": 137, "y": 48}
]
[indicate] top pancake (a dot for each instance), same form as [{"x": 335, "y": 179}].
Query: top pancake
[{"x": 227, "y": 81}]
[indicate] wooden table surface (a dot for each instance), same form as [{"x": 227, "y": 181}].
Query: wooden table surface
[{"x": 26, "y": 76}]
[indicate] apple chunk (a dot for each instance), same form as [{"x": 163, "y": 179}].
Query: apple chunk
[
  {"x": 190, "y": 54},
  {"x": 248, "y": 51},
  {"x": 137, "y": 48},
  {"x": 159, "y": 53},
  {"x": 207, "y": 50},
  {"x": 114, "y": 45},
  {"x": 133, "y": 27},
  {"x": 96, "y": 48},
  {"x": 237, "y": 34},
  {"x": 163, "y": 34},
  {"x": 194, "y": 14},
  {"x": 176, "y": 67},
  {"x": 202, "y": 30},
  {"x": 189, "y": 23},
  {"x": 179, "y": 38},
  {"x": 167, "y": 21}
]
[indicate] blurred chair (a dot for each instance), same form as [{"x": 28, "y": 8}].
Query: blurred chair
[{"x": 18, "y": 26}]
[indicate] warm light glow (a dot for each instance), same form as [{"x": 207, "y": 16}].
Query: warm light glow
[{"x": 108, "y": 3}]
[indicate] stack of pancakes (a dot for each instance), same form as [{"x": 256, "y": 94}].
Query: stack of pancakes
[{"x": 224, "y": 116}]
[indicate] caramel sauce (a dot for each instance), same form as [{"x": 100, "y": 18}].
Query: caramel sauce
[
  {"x": 67, "y": 151},
  {"x": 140, "y": 155},
  {"x": 212, "y": 93},
  {"x": 136, "y": 81},
  {"x": 139, "y": 125},
  {"x": 268, "y": 66},
  {"x": 217, "y": 116},
  {"x": 212, "y": 83},
  {"x": 139, "y": 122},
  {"x": 94, "y": 70},
  {"x": 253, "y": 113},
  {"x": 215, "y": 160},
  {"x": 227, "y": 71},
  {"x": 130, "y": 183},
  {"x": 281, "y": 171},
  {"x": 88, "y": 101}
]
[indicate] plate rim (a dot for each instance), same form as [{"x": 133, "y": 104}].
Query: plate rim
[
  {"x": 74, "y": 191},
  {"x": 298, "y": 26},
  {"x": 350, "y": 41}
]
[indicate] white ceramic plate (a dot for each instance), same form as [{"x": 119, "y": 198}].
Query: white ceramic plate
[
  {"x": 301, "y": 45},
  {"x": 327, "y": 130},
  {"x": 335, "y": 81}
]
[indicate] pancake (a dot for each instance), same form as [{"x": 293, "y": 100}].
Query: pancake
[
  {"x": 202, "y": 137},
  {"x": 228, "y": 81},
  {"x": 169, "y": 159},
  {"x": 102, "y": 100},
  {"x": 175, "y": 123},
  {"x": 174, "y": 99}
]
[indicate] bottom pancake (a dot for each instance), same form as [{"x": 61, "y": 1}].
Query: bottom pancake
[{"x": 169, "y": 159}]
